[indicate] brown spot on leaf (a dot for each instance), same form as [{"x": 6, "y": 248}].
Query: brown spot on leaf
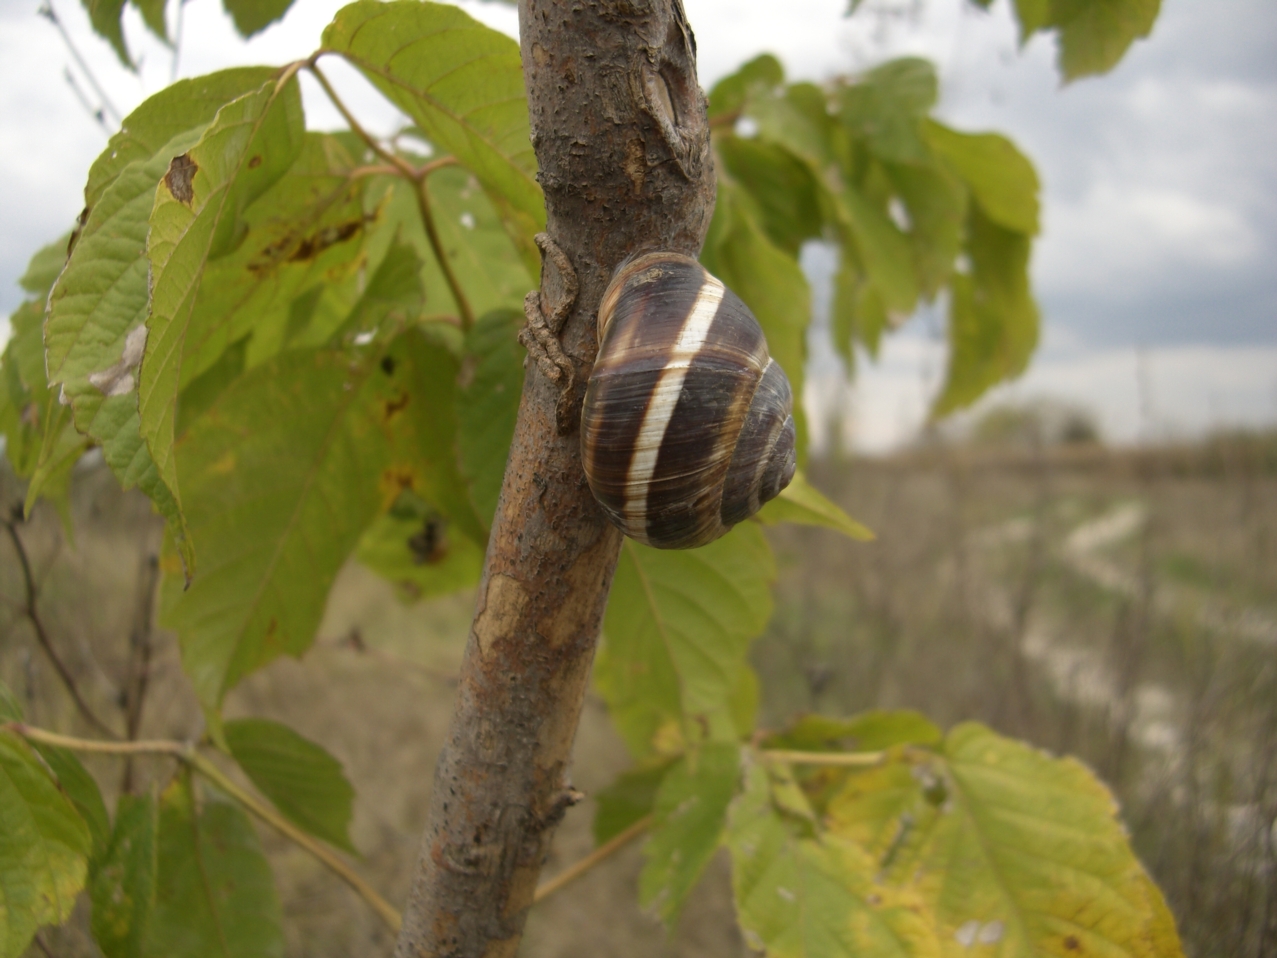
[
  {"x": 312, "y": 246},
  {"x": 255, "y": 161},
  {"x": 1072, "y": 944},
  {"x": 430, "y": 545},
  {"x": 388, "y": 366},
  {"x": 181, "y": 171},
  {"x": 390, "y": 408}
]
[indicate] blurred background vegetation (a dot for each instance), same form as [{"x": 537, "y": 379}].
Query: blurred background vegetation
[{"x": 1119, "y": 604}]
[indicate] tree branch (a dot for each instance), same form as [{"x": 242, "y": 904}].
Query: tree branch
[
  {"x": 622, "y": 142},
  {"x": 32, "y": 612}
]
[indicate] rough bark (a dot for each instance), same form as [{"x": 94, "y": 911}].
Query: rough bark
[{"x": 622, "y": 141}]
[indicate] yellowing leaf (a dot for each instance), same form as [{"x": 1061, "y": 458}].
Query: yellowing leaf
[
  {"x": 44, "y": 847},
  {"x": 806, "y": 898},
  {"x": 1009, "y": 849}
]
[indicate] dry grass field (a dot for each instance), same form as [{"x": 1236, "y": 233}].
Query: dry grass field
[{"x": 1120, "y": 606}]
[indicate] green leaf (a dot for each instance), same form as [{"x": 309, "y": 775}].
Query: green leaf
[
  {"x": 45, "y": 266},
  {"x": 214, "y": 892},
  {"x": 182, "y": 106},
  {"x": 462, "y": 84},
  {"x": 993, "y": 321},
  {"x": 936, "y": 204},
  {"x": 44, "y": 848},
  {"x": 798, "y": 120},
  {"x": 254, "y": 16},
  {"x": 803, "y": 503},
  {"x": 627, "y": 800},
  {"x": 760, "y": 75},
  {"x": 1001, "y": 178},
  {"x": 298, "y": 776},
  {"x": 770, "y": 283},
  {"x": 81, "y": 788},
  {"x": 415, "y": 547},
  {"x": 199, "y": 215},
  {"x": 1095, "y": 34},
  {"x": 799, "y": 897},
  {"x": 884, "y": 108},
  {"x": 298, "y": 274},
  {"x": 283, "y": 474},
  {"x": 688, "y": 821},
  {"x": 882, "y": 250},
  {"x": 123, "y": 885},
  {"x": 488, "y": 405},
  {"x": 1008, "y": 847},
  {"x": 783, "y": 190},
  {"x": 678, "y": 626},
  {"x": 104, "y": 16},
  {"x": 152, "y": 12},
  {"x": 94, "y": 334}
]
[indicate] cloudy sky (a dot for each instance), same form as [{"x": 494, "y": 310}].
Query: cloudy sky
[{"x": 1156, "y": 271}]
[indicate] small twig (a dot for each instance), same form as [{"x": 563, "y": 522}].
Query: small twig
[
  {"x": 139, "y": 674},
  {"x": 436, "y": 244},
  {"x": 187, "y": 754},
  {"x": 42, "y": 635},
  {"x": 854, "y": 759},
  {"x": 604, "y": 851},
  {"x": 96, "y": 113},
  {"x": 47, "y": 11},
  {"x": 177, "y": 40}
]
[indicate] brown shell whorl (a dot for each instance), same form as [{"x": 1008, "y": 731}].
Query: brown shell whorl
[{"x": 687, "y": 426}]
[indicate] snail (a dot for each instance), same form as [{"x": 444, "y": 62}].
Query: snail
[{"x": 687, "y": 426}]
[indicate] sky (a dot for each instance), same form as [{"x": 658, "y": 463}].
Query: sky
[{"x": 1156, "y": 270}]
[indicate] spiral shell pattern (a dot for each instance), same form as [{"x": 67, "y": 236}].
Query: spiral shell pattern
[{"x": 687, "y": 426}]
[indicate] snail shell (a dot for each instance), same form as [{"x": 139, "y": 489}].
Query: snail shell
[{"x": 687, "y": 426}]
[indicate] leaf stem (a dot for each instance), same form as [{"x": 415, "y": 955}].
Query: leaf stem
[
  {"x": 436, "y": 244},
  {"x": 793, "y": 757},
  {"x": 404, "y": 168},
  {"x": 187, "y": 754},
  {"x": 604, "y": 851},
  {"x": 32, "y": 613}
]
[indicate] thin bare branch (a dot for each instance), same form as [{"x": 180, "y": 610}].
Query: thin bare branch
[
  {"x": 31, "y": 611},
  {"x": 403, "y": 166},
  {"x": 49, "y": 13}
]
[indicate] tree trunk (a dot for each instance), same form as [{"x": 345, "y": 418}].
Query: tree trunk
[{"x": 622, "y": 141}]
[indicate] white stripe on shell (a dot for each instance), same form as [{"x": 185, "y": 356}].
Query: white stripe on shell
[{"x": 660, "y": 409}]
